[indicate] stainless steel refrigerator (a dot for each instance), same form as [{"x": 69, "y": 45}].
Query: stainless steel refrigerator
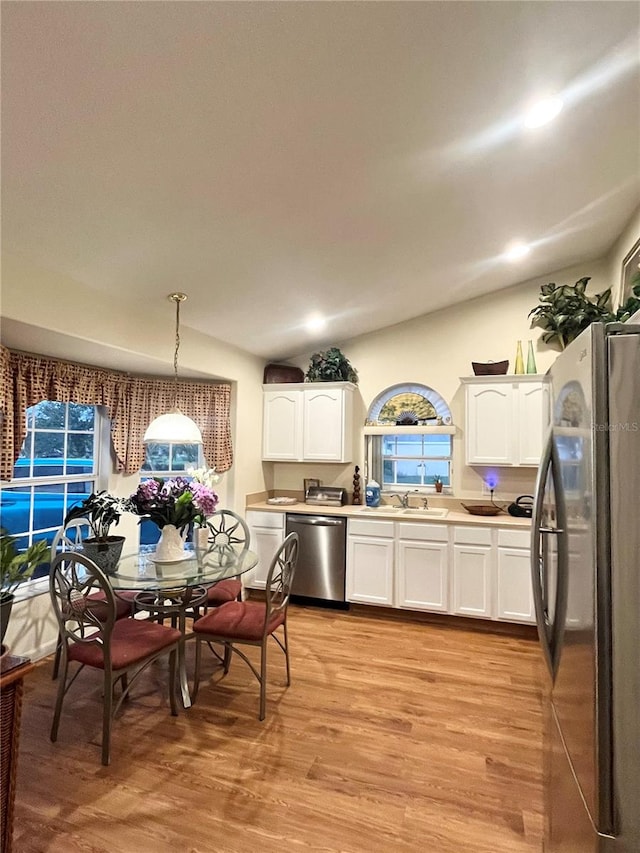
[{"x": 585, "y": 561}]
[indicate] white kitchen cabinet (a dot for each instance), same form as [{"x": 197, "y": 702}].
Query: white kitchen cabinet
[
  {"x": 472, "y": 572},
  {"x": 514, "y": 588},
  {"x": 310, "y": 422},
  {"x": 422, "y": 567},
  {"x": 282, "y": 425},
  {"x": 370, "y": 561},
  {"x": 267, "y": 535},
  {"x": 506, "y": 420}
]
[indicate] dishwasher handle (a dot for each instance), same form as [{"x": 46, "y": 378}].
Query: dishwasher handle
[{"x": 314, "y": 520}]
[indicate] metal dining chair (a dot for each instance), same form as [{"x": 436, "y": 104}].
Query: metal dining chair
[
  {"x": 85, "y": 606},
  {"x": 227, "y": 529},
  {"x": 252, "y": 622},
  {"x": 69, "y": 538}
]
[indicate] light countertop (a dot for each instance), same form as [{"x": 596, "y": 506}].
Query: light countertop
[{"x": 455, "y": 516}]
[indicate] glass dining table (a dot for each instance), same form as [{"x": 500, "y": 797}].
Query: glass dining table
[{"x": 173, "y": 589}]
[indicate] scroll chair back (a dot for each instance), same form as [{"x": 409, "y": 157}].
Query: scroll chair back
[
  {"x": 69, "y": 538},
  {"x": 92, "y": 635},
  {"x": 253, "y": 622},
  {"x": 227, "y": 530}
]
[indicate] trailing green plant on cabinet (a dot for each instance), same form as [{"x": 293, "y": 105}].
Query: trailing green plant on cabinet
[{"x": 308, "y": 422}]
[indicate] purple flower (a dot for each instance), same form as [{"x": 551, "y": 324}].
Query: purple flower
[
  {"x": 176, "y": 501},
  {"x": 205, "y": 500}
]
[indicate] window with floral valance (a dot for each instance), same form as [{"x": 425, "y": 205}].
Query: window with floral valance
[{"x": 132, "y": 403}]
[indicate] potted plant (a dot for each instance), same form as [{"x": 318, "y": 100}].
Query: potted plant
[
  {"x": 437, "y": 482},
  {"x": 16, "y": 567},
  {"x": 566, "y": 310},
  {"x": 101, "y": 511},
  {"x": 330, "y": 366}
]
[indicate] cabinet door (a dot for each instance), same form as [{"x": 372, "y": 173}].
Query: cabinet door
[
  {"x": 472, "y": 580},
  {"x": 490, "y": 424},
  {"x": 533, "y": 421},
  {"x": 265, "y": 541},
  {"x": 422, "y": 575},
  {"x": 370, "y": 570},
  {"x": 282, "y": 425},
  {"x": 324, "y": 425},
  {"x": 515, "y": 595}
]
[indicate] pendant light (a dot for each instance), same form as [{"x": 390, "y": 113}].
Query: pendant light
[{"x": 174, "y": 426}]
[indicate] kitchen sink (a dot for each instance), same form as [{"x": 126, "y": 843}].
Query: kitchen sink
[
  {"x": 421, "y": 512},
  {"x": 379, "y": 509}
]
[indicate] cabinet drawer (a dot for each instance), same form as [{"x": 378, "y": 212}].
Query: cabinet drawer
[
  {"x": 371, "y": 528},
  {"x": 514, "y": 538},
  {"x": 425, "y": 532},
  {"x": 256, "y": 518},
  {"x": 472, "y": 535}
]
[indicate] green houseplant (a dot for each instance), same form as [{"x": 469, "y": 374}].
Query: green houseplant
[
  {"x": 566, "y": 310},
  {"x": 101, "y": 511},
  {"x": 330, "y": 366},
  {"x": 16, "y": 567}
]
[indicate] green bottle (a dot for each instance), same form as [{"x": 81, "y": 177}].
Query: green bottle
[{"x": 531, "y": 360}]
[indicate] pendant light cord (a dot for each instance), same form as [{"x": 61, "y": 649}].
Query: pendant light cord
[{"x": 177, "y": 298}]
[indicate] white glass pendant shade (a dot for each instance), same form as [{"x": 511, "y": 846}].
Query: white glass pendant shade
[{"x": 173, "y": 427}]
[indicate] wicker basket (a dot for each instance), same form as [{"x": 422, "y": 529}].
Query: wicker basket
[{"x": 491, "y": 368}]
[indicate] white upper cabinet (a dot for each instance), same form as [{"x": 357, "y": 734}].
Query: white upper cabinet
[
  {"x": 506, "y": 419},
  {"x": 282, "y": 425},
  {"x": 310, "y": 422}
]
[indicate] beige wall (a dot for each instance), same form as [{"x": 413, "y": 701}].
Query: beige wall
[{"x": 436, "y": 350}]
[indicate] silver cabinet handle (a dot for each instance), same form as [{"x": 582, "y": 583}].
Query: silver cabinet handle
[{"x": 552, "y": 530}]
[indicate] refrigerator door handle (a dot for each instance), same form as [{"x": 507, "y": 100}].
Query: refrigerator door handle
[{"x": 538, "y": 567}]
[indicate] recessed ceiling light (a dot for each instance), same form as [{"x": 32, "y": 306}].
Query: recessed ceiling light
[
  {"x": 315, "y": 324},
  {"x": 543, "y": 112},
  {"x": 516, "y": 251}
]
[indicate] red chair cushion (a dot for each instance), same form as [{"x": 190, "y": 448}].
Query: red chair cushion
[
  {"x": 224, "y": 591},
  {"x": 132, "y": 640},
  {"x": 237, "y": 620},
  {"x": 123, "y": 606}
]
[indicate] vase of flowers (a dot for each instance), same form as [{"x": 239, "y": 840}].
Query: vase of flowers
[
  {"x": 206, "y": 477},
  {"x": 173, "y": 505}
]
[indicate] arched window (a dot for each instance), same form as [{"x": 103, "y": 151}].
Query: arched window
[{"x": 411, "y": 442}]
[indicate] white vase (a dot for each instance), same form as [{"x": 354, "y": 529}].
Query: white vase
[
  {"x": 170, "y": 545},
  {"x": 201, "y": 538}
]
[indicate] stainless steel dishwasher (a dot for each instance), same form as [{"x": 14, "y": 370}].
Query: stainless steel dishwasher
[{"x": 321, "y": 569}]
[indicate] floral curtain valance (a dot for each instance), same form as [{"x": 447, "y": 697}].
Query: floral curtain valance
[{"x": 131, "y": 402}]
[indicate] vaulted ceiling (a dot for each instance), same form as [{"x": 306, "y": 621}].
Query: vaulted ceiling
[{"x": 362, "y": 160}]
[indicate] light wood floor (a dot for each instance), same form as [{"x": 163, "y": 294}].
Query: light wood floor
[{"x": 395, "y": 737}]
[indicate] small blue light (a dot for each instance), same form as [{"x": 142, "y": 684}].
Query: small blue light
[{"x": 492, "y": 481}]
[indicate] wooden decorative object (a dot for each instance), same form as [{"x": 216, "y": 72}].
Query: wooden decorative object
[{"x": 357, "y": 497}]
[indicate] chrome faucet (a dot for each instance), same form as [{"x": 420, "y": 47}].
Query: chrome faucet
[{"x": 404, "y": 499}]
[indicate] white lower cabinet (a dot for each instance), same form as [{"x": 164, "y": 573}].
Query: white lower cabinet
[
  {"x": 514, "y": 589},
  {"x": 473, "y": 561},
  {"x": 422, "y": 567},
  {"x": 370, "y": 550},
  {"x": 475, "y": 571},
  {"x": 267, "y": 535}
]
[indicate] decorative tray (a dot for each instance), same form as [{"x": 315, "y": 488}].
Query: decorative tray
[
  {"x": 483, "y": 509},
  {"x": 282, "y": 501},
  {"x": 153, "y": 559}
]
